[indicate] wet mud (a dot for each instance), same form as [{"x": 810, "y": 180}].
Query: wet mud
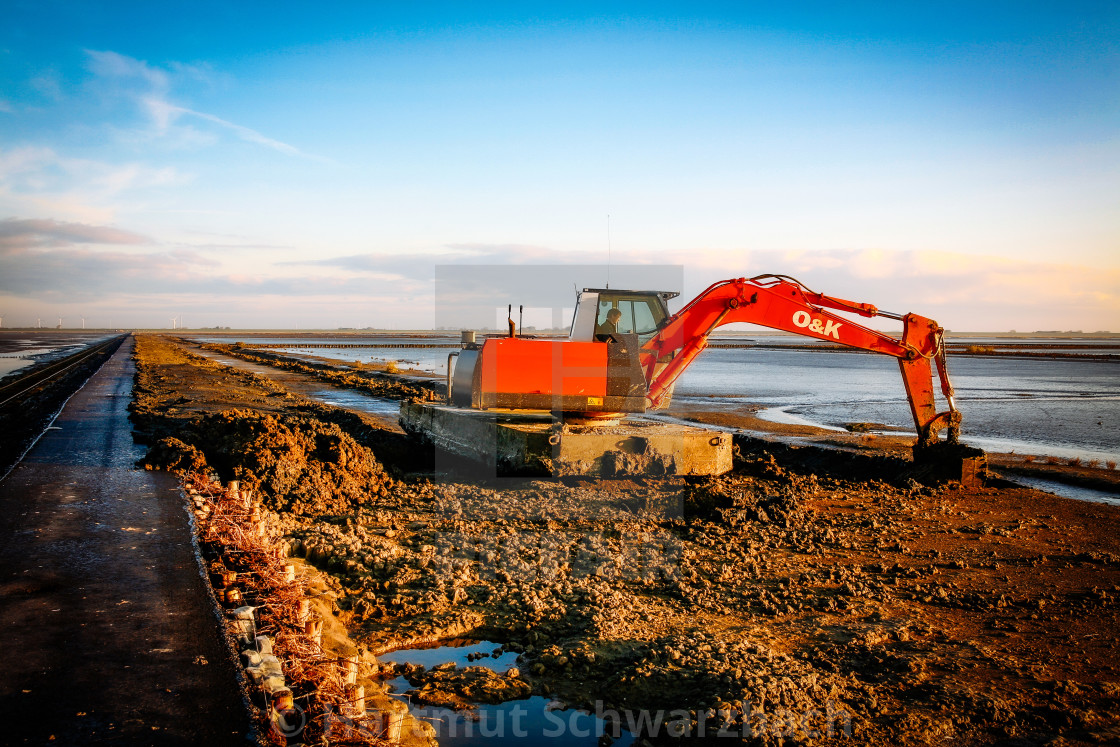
[{"x": 804, "y": 596}]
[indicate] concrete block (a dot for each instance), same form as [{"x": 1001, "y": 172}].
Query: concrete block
[
  {"x": 274, "y": 684},
  {"x": 244, "y": 626},
  {"x": 265, "y": 670},
  {"x": 251, "y": 658}
]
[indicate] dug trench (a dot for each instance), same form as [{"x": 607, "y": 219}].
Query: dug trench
[{"x": 809, "y": 594}]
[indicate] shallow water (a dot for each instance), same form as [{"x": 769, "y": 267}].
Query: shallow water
[
  {"x": 420, "y": 358},
  {"x": 360, "y": 401},
  {"x": 1062, "y": 407},
  {"x": 531, "y": 720},
  {"x": 1064, "y": 490},
  {"x": 1026, "y": 405},
  {"x": 11, "y": 365},
  {"x": 18, "y": 350},
  {"x": 388, "y": 410}
]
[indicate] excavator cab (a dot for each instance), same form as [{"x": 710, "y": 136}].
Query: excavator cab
[{"x": 643, "y": 312}]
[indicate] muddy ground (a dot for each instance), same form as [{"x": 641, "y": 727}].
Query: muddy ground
[{"x": 801, "y": 590}]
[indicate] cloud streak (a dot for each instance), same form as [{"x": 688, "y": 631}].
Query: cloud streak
[
  {"x": 154, "y": 98},
  {"x": 164, "y": 114},
  {"x": 21, "y": 235},
  {"x": 109, "y": 64}
]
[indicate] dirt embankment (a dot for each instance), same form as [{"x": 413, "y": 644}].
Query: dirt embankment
[
  {"x": 797, "y": 591},
  {"x": 301, "y": 456}
]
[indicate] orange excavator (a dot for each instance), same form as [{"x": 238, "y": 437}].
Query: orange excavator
[{"x": 626, "y": 351}]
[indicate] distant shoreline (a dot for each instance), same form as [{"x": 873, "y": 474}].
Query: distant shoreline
[{"x": 366, "y": 331}]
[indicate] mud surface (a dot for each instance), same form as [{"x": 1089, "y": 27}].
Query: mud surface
[{"x": 805, "y": 591}]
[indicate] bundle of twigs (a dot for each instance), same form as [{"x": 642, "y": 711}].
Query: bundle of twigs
[{"x": 330, "y": 706}]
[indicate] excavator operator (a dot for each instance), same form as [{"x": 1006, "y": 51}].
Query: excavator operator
[{"x": 609, "y": 327}]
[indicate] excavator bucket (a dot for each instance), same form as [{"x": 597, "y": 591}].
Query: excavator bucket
[{"x": 945, "y": 461}]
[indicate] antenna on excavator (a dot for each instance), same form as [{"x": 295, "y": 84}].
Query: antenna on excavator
[{"x": 608, "y": 285}]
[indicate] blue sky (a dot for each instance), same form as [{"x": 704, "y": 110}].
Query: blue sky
[{"x": 271, "y": 164}]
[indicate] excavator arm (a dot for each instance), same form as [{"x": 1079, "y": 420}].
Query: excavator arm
[{"x": 782, "y": 302}]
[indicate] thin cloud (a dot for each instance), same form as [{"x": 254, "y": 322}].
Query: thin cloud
[
  {"x": 421, "y": 265},
  {"x": 155, "y": 99},
  {"x": 16, "y": 235},
  {"x": 77, "y": 273},
  {"x": 36, "y": 170},
  {"x": 58, "y": 262},
  {"x": 237, "y": 247},
  {"x": 165, "y": 114},
  {"x": 36, "y": 180},
  {"x": 109, "y": 64},
  {"x": 47, "y": 86}
]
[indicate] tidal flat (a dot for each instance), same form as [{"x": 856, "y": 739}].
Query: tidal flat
[{"x": 808, "y": 594}]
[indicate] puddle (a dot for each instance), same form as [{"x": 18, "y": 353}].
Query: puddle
[
  {"x": 532, "y": 720},
  {"x": 21, "y": 358}
]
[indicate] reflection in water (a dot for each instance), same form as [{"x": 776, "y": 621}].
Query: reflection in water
[
  {"x": 354, "y": 400},
  {"x": 533, "y": 720},
  {"x": 462, "y": 652},
  {"x": 10, "y": 365}
]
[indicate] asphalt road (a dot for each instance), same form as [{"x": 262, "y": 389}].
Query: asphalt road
[{"x": 108, "y": 635}]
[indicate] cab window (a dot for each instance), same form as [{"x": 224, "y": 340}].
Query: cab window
[{"x": 639, "y": 315}]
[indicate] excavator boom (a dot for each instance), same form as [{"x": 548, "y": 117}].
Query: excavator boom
[{"x": 781, "y": 302}]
